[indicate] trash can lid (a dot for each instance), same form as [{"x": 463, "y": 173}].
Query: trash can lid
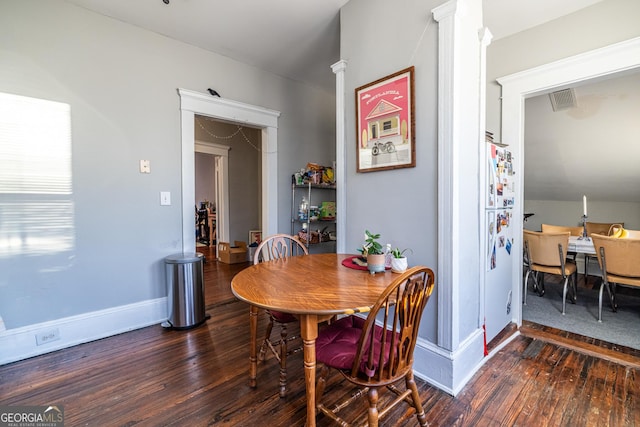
[{"x": 184, "y": 258}]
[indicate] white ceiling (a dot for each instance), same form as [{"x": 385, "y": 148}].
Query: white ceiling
[{"x": 299, "y": 39}]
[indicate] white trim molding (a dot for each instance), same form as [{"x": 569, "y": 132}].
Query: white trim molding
[
  {"x": 448, "y": 370},
  {"x": 20, "y": 343}
]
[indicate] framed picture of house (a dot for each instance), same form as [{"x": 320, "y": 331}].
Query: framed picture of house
[{"x": 385, "y": 123}]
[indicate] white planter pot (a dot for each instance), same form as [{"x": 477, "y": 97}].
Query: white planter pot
[{"x": 399, "y": 265}]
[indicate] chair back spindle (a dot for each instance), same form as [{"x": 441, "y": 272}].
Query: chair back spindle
[{"x": 279, "y": 246}]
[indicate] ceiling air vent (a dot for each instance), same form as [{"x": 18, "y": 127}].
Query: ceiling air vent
[{"x": 563, "y": 99}]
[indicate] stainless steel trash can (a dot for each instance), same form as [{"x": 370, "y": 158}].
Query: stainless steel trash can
[{"x": 185, "y": 286}]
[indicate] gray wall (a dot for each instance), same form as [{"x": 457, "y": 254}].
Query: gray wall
[
  {"x": 399, "y": 204},
  {"x": 121, "y": 82}
]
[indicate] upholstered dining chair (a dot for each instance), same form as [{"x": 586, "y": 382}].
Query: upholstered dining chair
[
  {"x": 597, "y": 228},
  {"x": 574, "y": 231},
  {"x": 546, "y": 254},
  {"x": 275, "y": 247},
  {"x": 619, "y": 262},
  {"x": 600, "y": 227},
  {"x": 377, "y": 351}
]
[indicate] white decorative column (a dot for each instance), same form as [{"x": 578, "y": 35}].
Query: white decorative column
[
  {"x": 485, "y": 36},
  {"x": 459, "y": 335},
  {"x": 341, "y": 163}
]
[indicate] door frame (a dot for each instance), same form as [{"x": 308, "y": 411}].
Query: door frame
[
  {"x": 221, "y": 184},
  {"x": 195, "y": 103},
  {"x": 598, "y": 64}
]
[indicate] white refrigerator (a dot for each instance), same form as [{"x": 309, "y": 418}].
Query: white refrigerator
[{"x": 499, "y": 203}]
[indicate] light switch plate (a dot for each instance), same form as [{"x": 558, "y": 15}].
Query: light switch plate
[{"x": 165, "y": 198}]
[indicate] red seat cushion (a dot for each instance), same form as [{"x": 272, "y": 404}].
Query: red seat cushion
[
  {"x": 337, "y": 344},
  {"x": 278, "y": 316}
]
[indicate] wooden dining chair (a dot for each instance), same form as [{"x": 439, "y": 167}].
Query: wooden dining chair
[
  {"x": 274, "y": 247},
  {"x": 377, "y": 351},
  {"x": 546, "y": 254},
  {"x": 619, "y": 261},
  {"x": 596, "y": 228}
]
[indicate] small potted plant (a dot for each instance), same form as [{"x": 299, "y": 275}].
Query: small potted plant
[
  {"x": 398, "y": 261},
  {"x": 372, "y": 250}
]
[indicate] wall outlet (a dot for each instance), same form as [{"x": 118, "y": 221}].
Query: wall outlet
[
  {"x": 45, "y": 337},
  {"x": 145, "y": 166}
]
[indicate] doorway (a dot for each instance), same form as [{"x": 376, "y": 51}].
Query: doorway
[
  {"x": 212, "y": 185},
  {"x": 228, "y": 173},
  {"x": 593, "y": 65},
  {"x": 192, "y": 103}
]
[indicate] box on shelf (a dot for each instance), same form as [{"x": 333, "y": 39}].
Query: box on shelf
[
  {"x": 232, "y": 254},
  {"x": 328, "y": 210}
]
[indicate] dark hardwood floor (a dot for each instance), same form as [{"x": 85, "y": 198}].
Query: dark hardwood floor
[{"x": 198, "y": 377}]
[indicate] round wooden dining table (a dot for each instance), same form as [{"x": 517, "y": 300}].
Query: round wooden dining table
[{"x": 313, "y": 287}]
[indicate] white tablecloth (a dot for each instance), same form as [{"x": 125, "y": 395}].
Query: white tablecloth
[{"x": 581, "y": 246}]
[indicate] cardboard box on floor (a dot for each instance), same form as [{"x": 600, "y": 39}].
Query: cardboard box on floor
[{"x": 232, "y": 254}]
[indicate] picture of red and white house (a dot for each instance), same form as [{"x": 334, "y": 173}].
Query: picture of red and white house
[{"x": 384, "y": 124}]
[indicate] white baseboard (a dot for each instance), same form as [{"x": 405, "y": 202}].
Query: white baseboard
[
  {"x": 446, "y": 370},
  {"x": 21, "y": 343}
]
